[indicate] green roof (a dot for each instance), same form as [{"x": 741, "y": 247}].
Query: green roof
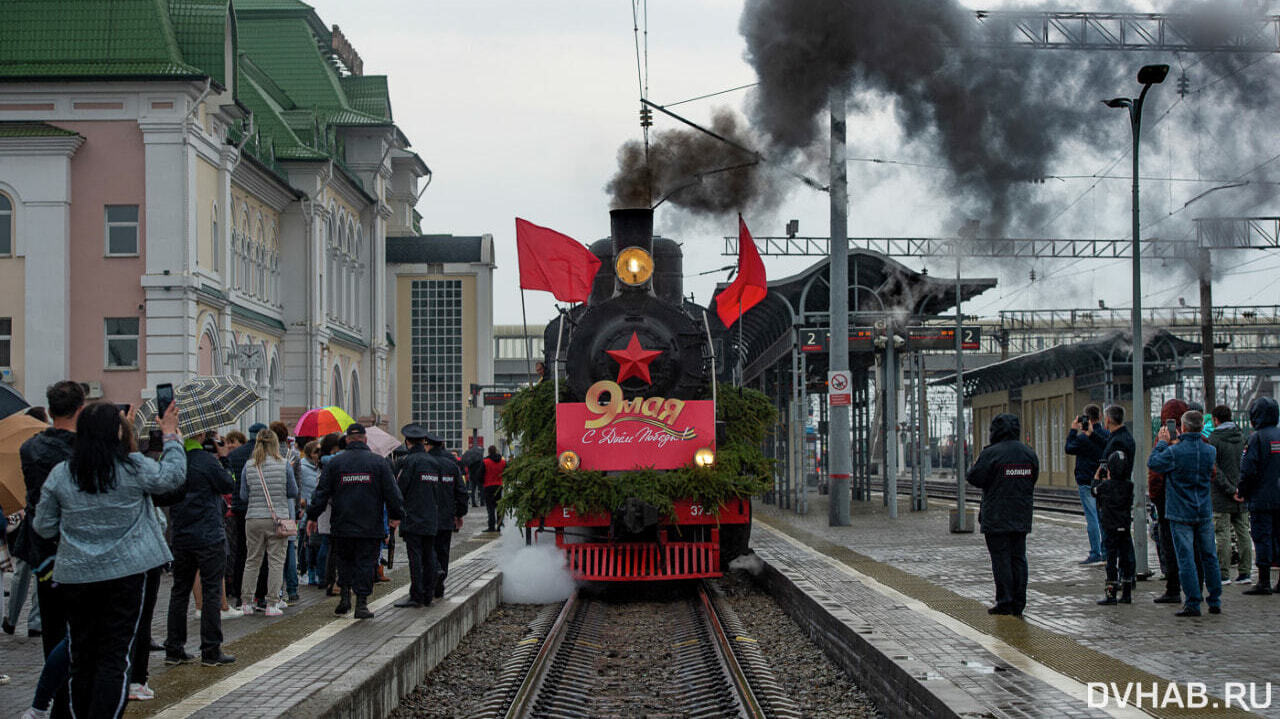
[
  {"x": 33, "y": 129},
  {"x": 90, "y": 38},
  {"x": 369, "y": 95},
  {"x": 200, "y": 28},
  {"x": 286, "y": 49}
]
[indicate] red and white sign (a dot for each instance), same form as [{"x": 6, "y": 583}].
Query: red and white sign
[
  {"x": 611, "y": 433},
  {"x": 839, "y": 388}
]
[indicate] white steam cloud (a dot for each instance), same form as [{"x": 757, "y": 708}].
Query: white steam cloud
[{"x": 532, "y": 574}]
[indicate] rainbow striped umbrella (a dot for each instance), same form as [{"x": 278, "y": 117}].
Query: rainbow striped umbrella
[{"x": 321, "y": 421}]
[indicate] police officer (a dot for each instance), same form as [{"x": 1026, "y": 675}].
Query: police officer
[
  {"x": 451, "y": 505},
  {"x": 1006, "y": 472},
  {"x": 418, "y": 478},
  {"x": 359, "y": 483}
]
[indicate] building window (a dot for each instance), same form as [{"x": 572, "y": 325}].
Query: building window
[
  {"x": 6, "y": 341},
  {"x": 6, "y": 226},
  {"x": 336, "y": 393},
  {"x": 215, "y": 241},
  {"x": 122, "y": 342},
  {"x": 122, "y": 230},
  {"x": 436, "y": 395}
]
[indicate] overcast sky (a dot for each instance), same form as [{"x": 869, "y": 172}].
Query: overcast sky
[{"x": 519, "y": 108}]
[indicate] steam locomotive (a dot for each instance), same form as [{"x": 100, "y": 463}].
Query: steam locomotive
[{"x": 638, "y": 361}]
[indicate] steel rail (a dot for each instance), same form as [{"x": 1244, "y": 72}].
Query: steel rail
[
  {"x": 751, "y": 706},
  {"x": 522, "y": 704}
]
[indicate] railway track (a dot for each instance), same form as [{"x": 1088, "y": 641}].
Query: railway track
[
  {"x": 1046, "y": 500},
  {"x": 685, "y": 658}
]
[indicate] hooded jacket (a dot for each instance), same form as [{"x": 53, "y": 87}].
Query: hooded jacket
[
  {"x": 1171, "y": 410},
  {"x": 196, "y": 520},
  {"x": 39, "y": 455},
  {"x": 1260, "y": 468},
  {"x": 1187, "y": 468},
  {"x": 1006, "y": 471},
  {"x": 1228, "y": 440},
  {"x": 1114, "y": 491},
  {"x": 451, "y": 493}
]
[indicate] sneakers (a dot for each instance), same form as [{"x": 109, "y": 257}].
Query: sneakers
[
  {"x": 1091, "y": 559},
  {"x": 230, "y": 614},
  {"x": 1243, "y": 579},
  {"x": 219, "y": 661},
  {"x": 246, "y": 610},
  {"x": 173, "y": 660},
  {"x": 140, "y": 693},
  {"x": 274, "y": 611},
  {"x": 33, "y": 713}
]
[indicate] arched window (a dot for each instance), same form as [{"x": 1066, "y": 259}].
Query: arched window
[
  {"x": 355, "y": 394},
  {"x": 6, "y": 225},
  {"x": 206, "y": 353},
  {"x": 235, "y": 243},
  {"x": 215, "y": 240},
  {"x": 246, "y": 245},
  {"x": 335, "y": 398},
  {"x": 259, "y": 261}
]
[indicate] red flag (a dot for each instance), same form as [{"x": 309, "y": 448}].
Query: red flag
[
  {"x": 554, "y": 262},
  {"x": 749, "y": 287}
]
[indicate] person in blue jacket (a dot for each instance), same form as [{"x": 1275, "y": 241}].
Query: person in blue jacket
[{"x": 1187, "y": 464}]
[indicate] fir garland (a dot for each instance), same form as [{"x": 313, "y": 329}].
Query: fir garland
[{"x": 534, "y": 484}]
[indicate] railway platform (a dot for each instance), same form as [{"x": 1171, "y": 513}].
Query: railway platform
[
  {"x": 310, "y": 662},
  {"x": 904, "y": 601}
]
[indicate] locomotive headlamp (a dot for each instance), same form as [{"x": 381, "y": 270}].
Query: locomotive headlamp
[
  {"x": 569, "y": 460},
  {"x": 704, "y": 457},
  {"x": 634, "y": 266}
]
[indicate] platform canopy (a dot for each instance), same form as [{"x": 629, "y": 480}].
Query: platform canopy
[
  {"x": 1105, "y": 359},
  {"x": 880, "y": 288}
]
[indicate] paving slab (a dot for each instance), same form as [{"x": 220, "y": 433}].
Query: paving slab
[{"x": 1064, "y": 635}]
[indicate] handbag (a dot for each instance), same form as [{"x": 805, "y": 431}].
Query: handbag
[{"x": 284, "y": 527}]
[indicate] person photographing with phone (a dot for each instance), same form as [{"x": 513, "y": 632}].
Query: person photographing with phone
[
  {"x": 1187, "y": 463},
  {"x": 99, "y": 504},
  {"x": 1085, "y": 442}
]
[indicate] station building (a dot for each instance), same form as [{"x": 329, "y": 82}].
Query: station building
[{"x": 192, "y": 186}]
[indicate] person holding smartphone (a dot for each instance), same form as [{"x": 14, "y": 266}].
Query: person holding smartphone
[
  {"x": 99, "y": 503},
  {"x": 1085, "y": 442}
]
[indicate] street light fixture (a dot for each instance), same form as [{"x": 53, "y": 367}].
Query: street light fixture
[{"x": 1149, "y": 75}]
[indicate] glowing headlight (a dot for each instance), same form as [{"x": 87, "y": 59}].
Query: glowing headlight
[
  {"x": 704, "y": 457},
  {"x": 569, "y": 460},
  {"x": 634, "y": 266}
]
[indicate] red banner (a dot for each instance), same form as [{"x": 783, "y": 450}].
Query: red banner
[{"x": 610, "y": 433}]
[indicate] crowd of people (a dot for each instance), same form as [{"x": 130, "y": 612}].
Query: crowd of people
[
  {"x": 1208, "y": 485},
  {"x": 236, "y": 520}
]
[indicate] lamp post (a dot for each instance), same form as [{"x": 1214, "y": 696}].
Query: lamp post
[{"x": 1149, "y": 75}]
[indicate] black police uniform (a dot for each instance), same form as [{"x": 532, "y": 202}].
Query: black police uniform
[
  {"x": 451, "y": 503},
  {"x": 1006, "y": 471},
  {"x": 359, "y": 483},
  {"x": 418, "y": 477}
]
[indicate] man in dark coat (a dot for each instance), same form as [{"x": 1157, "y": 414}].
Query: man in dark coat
[
  {"x": 360, "y": 485},
  {"x": 1229, "y": 514},
  {"x": 1260, "y": 487},
  {"x": 1006, "y": 471},
  {"x": 1187, "y": 465},
  {"x": 451, "y": 505},
  {"x": 418, "y": 477},
  {"x": 199, "y": 545},
  {"x": 473, "y": 465},
  {"x": 39, "y": 455},
  {"x": 1082, "y": 443}
]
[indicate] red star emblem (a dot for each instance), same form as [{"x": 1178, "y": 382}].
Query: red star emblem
[{"x": 634, "y": 360}]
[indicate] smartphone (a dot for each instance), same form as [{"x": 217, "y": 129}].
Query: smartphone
[
  {"x": 1172, "y": 426},
  {"x": 164, "y": 398},
  {"x": 1083, "y": 420},
  {"x": 123, "y": 408}
]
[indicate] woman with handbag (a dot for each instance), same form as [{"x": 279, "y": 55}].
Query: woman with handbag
[{"x": 266, "y": 487}]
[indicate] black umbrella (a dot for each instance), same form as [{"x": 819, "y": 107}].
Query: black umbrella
[
  {"x": 471, "y": 455},
  {"x": 11, "y": 401}
]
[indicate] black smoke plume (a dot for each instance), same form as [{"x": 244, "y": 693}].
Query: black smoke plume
[
  {"x": 694, "y": 170},
  {"x": 998, "y": 117}
]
